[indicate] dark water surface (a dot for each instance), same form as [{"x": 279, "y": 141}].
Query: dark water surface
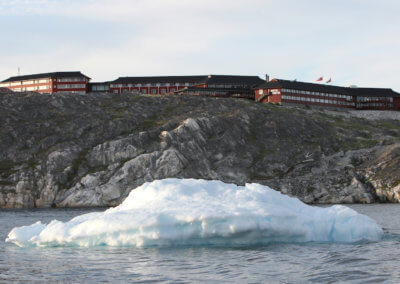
[{"x": 286, "y": 263}]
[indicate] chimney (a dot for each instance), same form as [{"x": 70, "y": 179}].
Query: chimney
[{"x": 266, "y": 78}]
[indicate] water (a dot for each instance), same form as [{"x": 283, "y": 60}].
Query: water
[{"x": 312, "y": 262}]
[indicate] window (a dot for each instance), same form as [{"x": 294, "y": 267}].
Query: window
[
  {"x": 71, "y": 86},
  {"x": 77, "y": 79},
  {"x": 100, "y": 88},
  {"x": 154, "y": 91}
]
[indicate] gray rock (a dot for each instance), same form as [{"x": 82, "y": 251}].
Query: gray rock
[{"x": 92, "y": 150}]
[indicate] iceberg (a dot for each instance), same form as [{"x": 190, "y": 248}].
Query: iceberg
[{"x": 190, "y": 212}]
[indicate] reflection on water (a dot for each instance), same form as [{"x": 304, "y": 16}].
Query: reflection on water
[{"x": 360, "y": 262}]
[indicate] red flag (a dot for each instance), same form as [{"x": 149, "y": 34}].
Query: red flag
[
  {"x": 329, "y": 80},
  {"x": 320, "y": 79}
]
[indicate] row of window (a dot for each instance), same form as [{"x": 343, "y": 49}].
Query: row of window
[
  {"x": 317, "y": 100},
  {"x": 29, "y": 82},
  {"x": 40, "y": 81},
  {"x": 224, "y": 86},
  {"x": 35, "y": 88},
  {"x": 150, "y": 85},
  {"x": 73, "y": 92},
  {"x": 144, "y": 91},
  {"x": 316, "y": 94},
  {"x": 376, "y": 104},
  {"x": 369, "y": 99},
  {"x": 227, "y": 86},
  {"x": 208, "y": 93},
  {"x": 71, "y": 79},
  {"x": 100, "y": 88},
  {"x": 71, "y": 86}
]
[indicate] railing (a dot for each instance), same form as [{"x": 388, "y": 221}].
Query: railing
[{"x": 262, "y": 97}]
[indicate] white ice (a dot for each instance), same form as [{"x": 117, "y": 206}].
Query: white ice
[{"x": 189, "y": 212}]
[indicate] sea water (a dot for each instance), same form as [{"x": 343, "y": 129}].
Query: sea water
[{"x": 359, "y": 261}]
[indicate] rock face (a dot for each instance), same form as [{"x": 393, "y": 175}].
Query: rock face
[{"x": 91, "y": 150}]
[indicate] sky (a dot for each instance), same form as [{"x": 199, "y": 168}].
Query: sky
[{"x": 354, "y": 42}]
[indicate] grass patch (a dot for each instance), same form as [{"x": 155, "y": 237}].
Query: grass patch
[
  {"x": 6, "y": 165},
  {"x": 94, "y": 170},
  {"x": 259, "y": 157},
  {"x": 387, "y": 124},
  {"x": 368, "y": 143},
  {"x": 75, "y": 168},
  {"x": 310, "y": 189},
  {"x": 352, "y": 125},
  {"x": 279, "y": 173},
  {"x": 7, "y": 168},
  {"x": 396, "y": 183},
  {"x": 278, "y": 107},
  {"x": 6, "y": 183},
  {"x": 357, "y": 144},
  {"x": 260, "y": 176},
  {"x": 150, "y": 123},
  {"x": 228, "y": 114}
]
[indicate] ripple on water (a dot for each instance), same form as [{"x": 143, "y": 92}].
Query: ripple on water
[{"x": 291, "y": 263}]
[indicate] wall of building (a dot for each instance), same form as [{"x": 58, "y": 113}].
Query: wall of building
[
  {"x": 155, "y": 89},
  {"x": 377, "y": 103},
  {"x": 275, "y": 98},
  {"x": 268, "y": 96},
  {"x": 43, "y": 85},
  {"x": 259, "y": 95},
  {"x": 102, "y": 87},
  {"x": 396, "y": 103},
  {"x": 70, "y": 85},
  {"x": 306, "y": 98},
  {"x": 317, "y": 98},
  {"x": 49, "y": 85},
  {"x": 300, "y": 97},
  {"x": 219, "y": 92}
]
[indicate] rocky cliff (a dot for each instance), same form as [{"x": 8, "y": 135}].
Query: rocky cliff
[{"x": 91, "y": 150}]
